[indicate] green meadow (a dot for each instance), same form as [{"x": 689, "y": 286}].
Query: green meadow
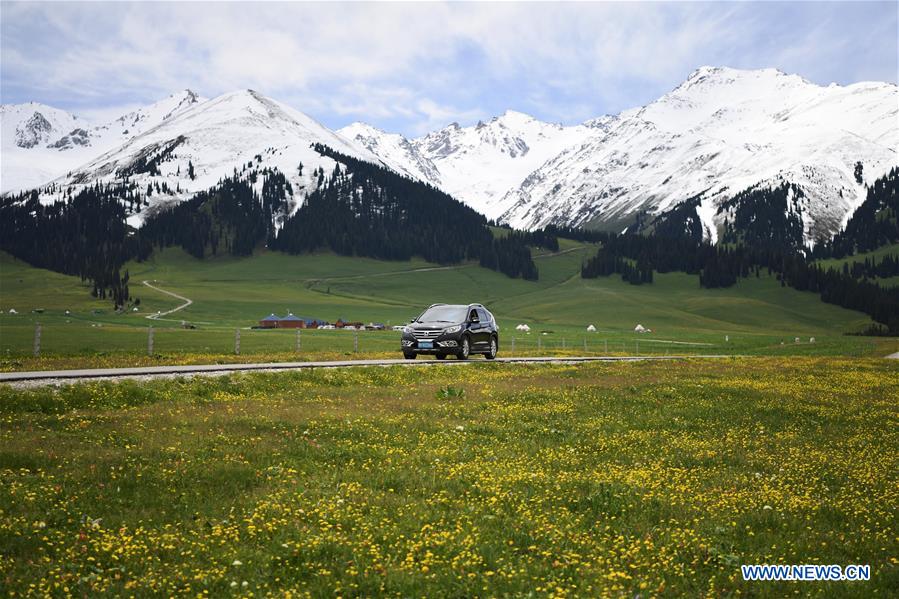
[
  {"x": 494, "y": 480},
  {"x": 757, "y": 316}
]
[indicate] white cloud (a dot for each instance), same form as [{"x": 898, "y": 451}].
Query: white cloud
[{"x": 421, "y": 65}]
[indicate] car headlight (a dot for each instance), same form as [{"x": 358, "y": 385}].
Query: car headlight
[
  {"x": 407, "y": 329},
  {"x": 453, "y": 329}
]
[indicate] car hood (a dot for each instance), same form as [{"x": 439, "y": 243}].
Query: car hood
[{"x": 433, "y": 326}]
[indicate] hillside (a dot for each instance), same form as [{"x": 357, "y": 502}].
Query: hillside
[
  {"x": 232, "y": 174},
  {"x": 874, "y": 224},
  {"x": 477, "y": 164},
  {"x": 196, "y": 148},
  {"x": 358, "y": 208},
  {"x": 720, "y": 132},
  {"x": 41, "y": 143},
  {"x": 229, "y": 292}
]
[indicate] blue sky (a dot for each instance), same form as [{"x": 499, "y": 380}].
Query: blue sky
[{"x": 414, "y": 67}]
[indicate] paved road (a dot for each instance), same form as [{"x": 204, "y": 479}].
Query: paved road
[
  {"x": 159, "y": 315},
  {"x": 46, "y": 377}
]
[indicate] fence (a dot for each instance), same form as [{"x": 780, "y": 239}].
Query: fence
[
  {"x": 83, "y": 339},
  {"x": 79, "y": 339},
  {"x": 74, "y": 339}
]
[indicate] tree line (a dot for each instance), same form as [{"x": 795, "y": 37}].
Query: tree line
[
  {"x": 874, "y": 224},
  {"x": 765, "y": 218},
  {"x": 230, "y": 218},
  {"x": 763, "y": 231},
  {"x": 358, "y": 209},
  {"x": 84, "y": 235},
  {"x": 363, "y": 209}
]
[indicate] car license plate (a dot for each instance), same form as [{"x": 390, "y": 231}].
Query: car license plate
[{"x": 425, "y": 345}]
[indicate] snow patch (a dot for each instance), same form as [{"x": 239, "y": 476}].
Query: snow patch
[{"x": 706, "y": 212}]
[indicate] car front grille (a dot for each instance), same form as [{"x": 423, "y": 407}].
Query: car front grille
[{"x": 426, "y": 334}]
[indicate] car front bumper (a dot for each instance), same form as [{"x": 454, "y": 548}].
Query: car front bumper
[{"x": 444, "y": 344}]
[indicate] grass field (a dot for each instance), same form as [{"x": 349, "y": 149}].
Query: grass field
[
  {"x": 876, "y": 256},
  {"x": 757, "y": 316},
  {"x": 655, "y": 479}
]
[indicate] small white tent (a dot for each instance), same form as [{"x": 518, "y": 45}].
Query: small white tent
[
  {"x": 639, "y": 329},
  {"x": 591, "y": 328}
]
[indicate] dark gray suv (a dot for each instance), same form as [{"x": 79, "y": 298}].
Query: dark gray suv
[{"x": 452, "y": 329}]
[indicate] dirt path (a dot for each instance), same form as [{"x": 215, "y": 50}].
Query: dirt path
[
  {"x": 559, "y": 253},
  {"x": 159, "y": 315}
]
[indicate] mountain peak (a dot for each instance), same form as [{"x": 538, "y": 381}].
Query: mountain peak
[
  {"x": 706, "y": 70},
  {"x": 515, "y": 114},
  {"x": 359, "y": 127},
  {"x": 513, "y": 117},
  {"x": 187, "y": 95},
  {"x": 720, "y": 131},
  {"x": 248, "y": 94},
  {"x": 723, "y": 75}
]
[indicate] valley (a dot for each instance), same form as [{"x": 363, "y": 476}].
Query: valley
[{"x": 228, "y": 293}]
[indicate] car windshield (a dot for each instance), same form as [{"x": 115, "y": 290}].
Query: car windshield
[{"x": 444, "y": 314}]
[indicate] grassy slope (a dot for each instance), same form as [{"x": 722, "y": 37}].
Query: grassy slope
[
  {"x": 617, "y": 480},
  {"x": 236, "y": 292},
  {"x": 876, "y": 255}
]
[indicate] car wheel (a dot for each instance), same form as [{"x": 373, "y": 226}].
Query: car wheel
[
  {"x": 441, "y": 356},
  {"x": 465, "y": 350},
  {"x": 492, "y": 353},
  {"x": 408, "y": 356}
]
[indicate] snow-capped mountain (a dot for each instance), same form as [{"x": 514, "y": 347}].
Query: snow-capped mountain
[
  {"x": 721, "y": 131},
  {"x": 197, "y": 146},
  {"x": 41, "y": 143},
  {"x": 25, "y": 132},
  {"x": 395, "y": 150},
  {"x": 108, "y": 135},
  {"x": 477, "y": 164},
  {"x": 33, "y": 124}
]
